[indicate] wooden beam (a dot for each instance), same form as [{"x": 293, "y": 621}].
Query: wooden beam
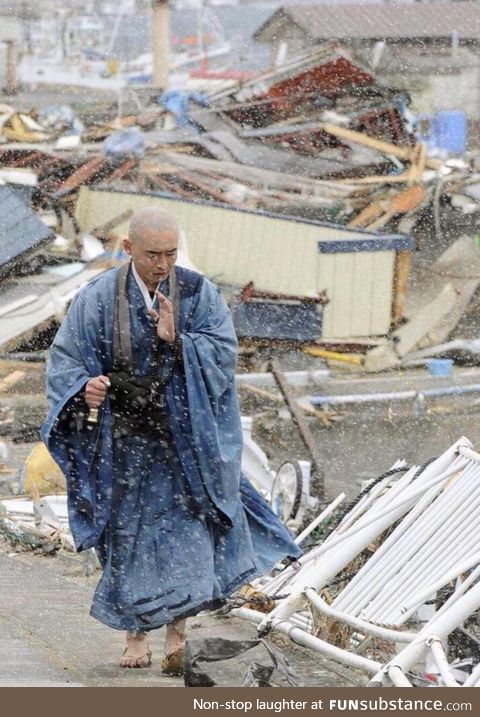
[
  {"x": 405, "y": 153},
  {"x": 402, "y": 268},
  {"x": 10, "y": 380},
  {"x": 403, "y": 202},
  {"x": 104, "y": 230},
  {"x": 318, "y": 478}
]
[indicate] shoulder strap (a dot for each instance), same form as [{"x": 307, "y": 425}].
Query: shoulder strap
[
  {"x": 174, "y": 296},
  {"x": 122, "y": 343}
]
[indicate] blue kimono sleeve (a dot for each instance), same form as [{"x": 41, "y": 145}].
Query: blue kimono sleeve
[
  {"x": 209, "y": 349},
  {"x": 81, "y": 450}
]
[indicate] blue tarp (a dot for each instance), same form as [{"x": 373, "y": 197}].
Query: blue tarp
[{"x": 128, "y": 143}]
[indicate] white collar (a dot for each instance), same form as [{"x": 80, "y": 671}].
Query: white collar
[{"x": 143, "y": 288}]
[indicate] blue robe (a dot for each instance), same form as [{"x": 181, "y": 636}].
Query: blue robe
[{"x": 177, "y": 528}]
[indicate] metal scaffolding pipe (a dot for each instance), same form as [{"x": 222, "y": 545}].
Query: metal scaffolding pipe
[
  {"x": 388, "y": 554},
  {"x": 300, "y": 637},
  {"x": 441, "y": 662},
  {"x": 394, "y": 395},
  {"x": 320, "y": 518},
  {"x": 356, "y": 622}
]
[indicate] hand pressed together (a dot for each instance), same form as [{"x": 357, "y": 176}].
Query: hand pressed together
[{"x": 164, "y": 319}]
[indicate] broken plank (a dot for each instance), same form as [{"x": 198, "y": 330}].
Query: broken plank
[
  {"x": 406, "y": 153},
  {"x": 261, "y": 393},
  {"x": 460, "y": 265},
  {"x": 402, "y": 268},
  {"x": 205, "y": 188},
  {"x": 248, "y": 173},
  {"x": 403, "y": 202},
  {"x": 10, "y": 380},
  {"x": 367, "y": 215},
  {"x": 377, "y": 179},
  {"x": 318, "y": 480},
  {"x": 102, "y": 230},
  {"x": 409, "y": 336}
]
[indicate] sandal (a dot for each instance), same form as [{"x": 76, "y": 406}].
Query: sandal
[{"x": 172, "y": 664}]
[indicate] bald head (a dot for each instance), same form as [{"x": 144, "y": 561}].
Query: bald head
[
  {"x": 152, "y": 243},
  {"x": 151, "y": 220}
]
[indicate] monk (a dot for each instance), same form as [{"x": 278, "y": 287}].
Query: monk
[{"x": 144, "y": 422}]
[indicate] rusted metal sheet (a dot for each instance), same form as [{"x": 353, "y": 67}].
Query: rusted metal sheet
[{"x": 283, "y": 97}]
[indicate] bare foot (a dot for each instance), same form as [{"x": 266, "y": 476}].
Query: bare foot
[{"x": 136, "y": 652}]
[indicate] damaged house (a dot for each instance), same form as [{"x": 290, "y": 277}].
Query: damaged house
[{"x": 431, "y": 50}]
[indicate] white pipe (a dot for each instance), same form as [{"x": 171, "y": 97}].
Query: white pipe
[
  {"x": 296, "y": 573},
  {"x": 398, "y": 617},
  {"x": 373, "y": 494},
  {"x": 473, "y": 678},
  {"x": 420, "y": 597},
  {"x": 304, "y": 638},
  {"x": 439, "y": 626},
  {"x": 435, "y": 559},
  {"x": 302, "y": 623},
  {"x": 397, "y": 676},
  {"x": 317, "y": 576},
  {"x": 461, "y": 588},
  {"x": 406, "y": 500},
  {"x": 320, "y": 518},
  {"x": 421, "y": 559},
  {"x": 276, "y": 583},
  {"x": 386, "y": 494},
  {"x": 467, "y": 452},
  {"x": 359, "y": 624},
  {"x": 442, "y": 663},
  {"x": 394, "y": 395},
  {"x": 294, "y": 378},
  {"x": 387, "y": 555}
]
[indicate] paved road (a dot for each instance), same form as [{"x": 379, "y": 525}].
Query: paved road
[{"x": 48, "y": 638}]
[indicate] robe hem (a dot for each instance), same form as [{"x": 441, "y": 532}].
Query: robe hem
[{"x": 205, "y": 605}]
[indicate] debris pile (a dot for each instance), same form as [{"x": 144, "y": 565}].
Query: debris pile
[
  {"x": 315, "y": 153},
  {"x": 36, "y": 525},
  {"x": 318, "y": 137},
  {"x": 396, "y": 571}
]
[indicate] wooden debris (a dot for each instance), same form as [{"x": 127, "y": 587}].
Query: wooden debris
[
  {"x": 401, "y": 203},
  {"x": 10, "y": 380},
  {"x": 408, "y": 154},
  {"x": 402, "y": 267},
  {"x": 318, "y": 485},
  {"x": 103, "y": 230}
]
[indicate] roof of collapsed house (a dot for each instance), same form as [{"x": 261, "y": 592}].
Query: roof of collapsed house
[
  {"x": 21, "y": 230},
  {"x": 382, "y": 20}
]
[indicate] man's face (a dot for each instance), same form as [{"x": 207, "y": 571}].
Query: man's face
[{"x": 154, "y": 253}]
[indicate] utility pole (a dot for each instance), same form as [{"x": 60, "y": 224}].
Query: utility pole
[
  {"x": 11, "y": 67},
  {"x": 160, "y": 43}
]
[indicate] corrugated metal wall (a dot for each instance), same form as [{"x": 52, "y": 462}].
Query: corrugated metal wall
[{"x": 278, "y": 255}]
